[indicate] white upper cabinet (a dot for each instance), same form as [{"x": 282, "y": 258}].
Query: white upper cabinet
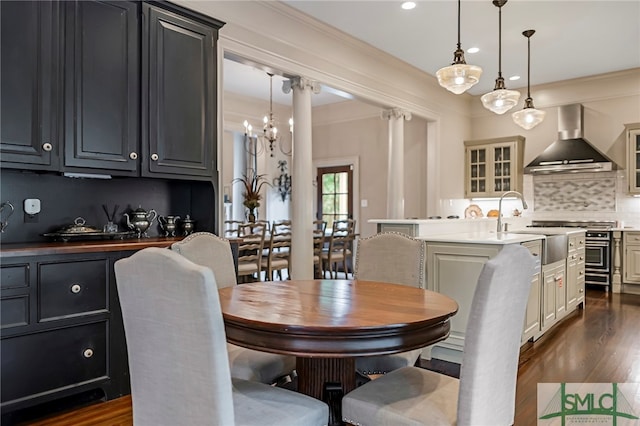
[{"x": 493, "y": 166}]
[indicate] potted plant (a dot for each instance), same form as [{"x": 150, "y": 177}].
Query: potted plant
[{"x": 253, "y": 183}]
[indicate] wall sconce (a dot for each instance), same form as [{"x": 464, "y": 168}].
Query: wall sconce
[{"x": 282, "y": 183}]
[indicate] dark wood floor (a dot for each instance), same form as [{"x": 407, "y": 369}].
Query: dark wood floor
[{"x": 598, "y": 344}]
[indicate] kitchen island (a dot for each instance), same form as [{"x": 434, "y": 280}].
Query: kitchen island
[{"x": 454, "y": 262}]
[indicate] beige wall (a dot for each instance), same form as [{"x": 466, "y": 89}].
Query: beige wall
[{"x": 275, "y": 35}]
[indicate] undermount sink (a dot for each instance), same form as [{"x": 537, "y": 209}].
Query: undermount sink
[{"x": 555, "y": 247}]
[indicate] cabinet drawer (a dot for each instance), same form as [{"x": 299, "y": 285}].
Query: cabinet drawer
[
  {"x": 631, "y": 238},
  {"x": 14, "y": 311},
  {"x": 44, "y": 362},
  {"x": 576, "y": 243},
  {"x": 14, "y": 276},
  {"x": 72, "y": 288}
]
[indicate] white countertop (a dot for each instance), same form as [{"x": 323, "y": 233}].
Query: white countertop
[
  {"x": 501, "y": 238},
  {"x": 549, "y": 230}
]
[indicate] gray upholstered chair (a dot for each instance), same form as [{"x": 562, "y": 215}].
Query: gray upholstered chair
[
  {"x": 206, "y": 249},
  {"x": 177, "y": 353},
  {"x": 485, "y": 393},
  {"x": 395, "y": 258}
]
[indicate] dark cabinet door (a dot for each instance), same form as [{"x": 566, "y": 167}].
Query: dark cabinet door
[
  {"x": 29, "y": 74},
  {"x": 102, "y": 85},
  {"x": 179, "y": 77}
]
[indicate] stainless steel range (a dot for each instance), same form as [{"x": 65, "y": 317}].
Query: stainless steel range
[{"x": 597, "y": 247}]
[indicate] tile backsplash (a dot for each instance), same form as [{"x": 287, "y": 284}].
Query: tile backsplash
[
  {"x": 578, "y": 193},
  {"x": 583, "y": 196}
]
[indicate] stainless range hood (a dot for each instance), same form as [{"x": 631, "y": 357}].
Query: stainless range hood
[{"x": 571, "y": 153}]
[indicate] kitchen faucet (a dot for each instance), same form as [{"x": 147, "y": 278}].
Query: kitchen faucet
[{"x": 517, "y": 194}]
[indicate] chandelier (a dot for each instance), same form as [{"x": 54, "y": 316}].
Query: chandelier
[
  {"x": 528, "y": 117},
  {"x": 500, "y": 100},
  {"x": 459, "y": 76},
  {"x": 270, "y": 131}
]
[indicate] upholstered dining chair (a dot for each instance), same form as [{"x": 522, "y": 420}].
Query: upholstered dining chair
[
  {"x": 206, "y": 249},
  {"x": 396, "y": 258},
  {"x": 275, "y": 257},
  {"x": 485, "y": 393},
  {"x": 177, "y": 356}
]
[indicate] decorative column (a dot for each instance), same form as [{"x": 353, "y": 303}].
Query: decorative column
[
  {"x": 301, "y": 261},
  {"x": 395, "y": 168},
  {"x": 616, "y": 279},
  {"x": 239, "y": 169}
]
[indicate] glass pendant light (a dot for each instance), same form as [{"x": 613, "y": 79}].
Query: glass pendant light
[
  {"x": 528, "y": 117},
  {"x": 459, "y": 76},
  {"x": 500, "y": 100}
]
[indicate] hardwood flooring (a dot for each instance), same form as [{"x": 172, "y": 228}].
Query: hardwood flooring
[{"x": 598, "y": 344}]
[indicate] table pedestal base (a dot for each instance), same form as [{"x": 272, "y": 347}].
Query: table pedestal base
[{"x": 327, "y": 379}]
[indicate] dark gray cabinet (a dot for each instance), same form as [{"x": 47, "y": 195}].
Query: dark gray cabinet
[
  {"x": 111, "y": 87},
  {"x": 61, "y": 330},
  {"x": 179, "y": 78},
  {"x": 30, "y": 85},
  {"x": 102, "y": 85}
]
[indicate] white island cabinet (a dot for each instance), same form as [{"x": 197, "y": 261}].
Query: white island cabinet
[{"x": 454, "y": 262}]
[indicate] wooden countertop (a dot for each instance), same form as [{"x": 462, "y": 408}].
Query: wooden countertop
[{"x": 95, "y": 246}]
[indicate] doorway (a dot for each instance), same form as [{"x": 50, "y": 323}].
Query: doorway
[{"x": 335, "y": 193}]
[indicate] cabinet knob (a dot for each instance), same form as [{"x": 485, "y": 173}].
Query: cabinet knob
[
  {"x": 87, "y": 353},
  {"x": 154, "y": 157},
  {"x": 75, "y": 289},
  {"x": 133, "y": 155},
  {"x": 47, "y": 146},
  {"x": 581, "y": 290}
]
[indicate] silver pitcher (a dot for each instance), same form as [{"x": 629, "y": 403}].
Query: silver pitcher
[{"x": 168, "y": 224}]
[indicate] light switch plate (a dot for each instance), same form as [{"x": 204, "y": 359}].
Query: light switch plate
[{"x": 32, "y": 206}]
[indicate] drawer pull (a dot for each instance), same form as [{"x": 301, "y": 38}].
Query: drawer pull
[
  {"x": 87, "y": 353},
  {"x": 75, "y": 289}
]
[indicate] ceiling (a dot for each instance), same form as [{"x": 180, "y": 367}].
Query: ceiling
[{"x": 573, "y": 39}]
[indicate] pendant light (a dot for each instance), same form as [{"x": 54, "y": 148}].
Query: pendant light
[
  {"x": 500, "y": 100},
  {"x": 528, "y": 117},
  {"x": 459, "y": 76},
  {"x": 270, "y": 130}
]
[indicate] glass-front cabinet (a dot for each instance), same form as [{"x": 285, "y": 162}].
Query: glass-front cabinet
[
  {"x": 493, "y": 166},
  {"x": 633, "y": 157}
]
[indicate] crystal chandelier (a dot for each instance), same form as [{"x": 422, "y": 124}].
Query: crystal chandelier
[
  {"x": 270, "y": 131},
  {"x": 459, "y": 76},
  {"x": 528, "y": 117},
  {"x": 500, "y": 100}
]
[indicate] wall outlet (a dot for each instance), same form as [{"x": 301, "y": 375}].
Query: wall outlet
[{"x": 32, "y": 206}]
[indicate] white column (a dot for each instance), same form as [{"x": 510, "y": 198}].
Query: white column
[
  {"x": 239, "y": 169},
  {"x": 301, "y": 262},
  {"x": 395, "y": 168}
]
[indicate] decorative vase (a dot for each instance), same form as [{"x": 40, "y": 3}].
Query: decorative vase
[{"x": 251, "y": 215}]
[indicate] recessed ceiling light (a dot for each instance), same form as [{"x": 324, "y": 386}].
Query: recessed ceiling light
[
  {"x": 514, "y": 77},
  {"x": 408, "y": 5},
  {"x": 473, "y": 50}
]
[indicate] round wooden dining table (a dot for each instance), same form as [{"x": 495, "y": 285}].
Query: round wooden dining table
[{"x": 326, "y": 324}]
